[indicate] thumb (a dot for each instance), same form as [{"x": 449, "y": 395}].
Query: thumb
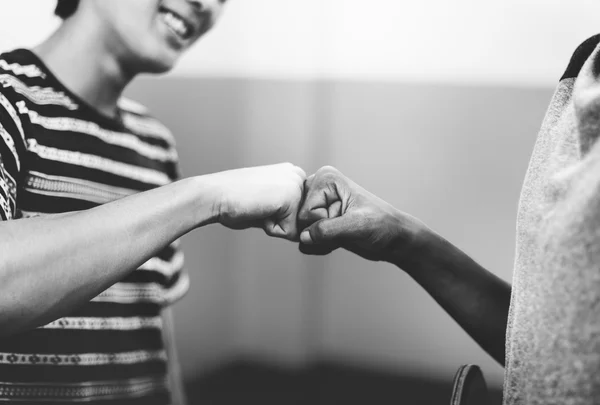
[{"x": 326, "y": 231}]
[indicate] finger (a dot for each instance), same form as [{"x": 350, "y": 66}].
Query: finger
[
  {"x": 327, "y": 231},
  {"x": 310, "y": 217},
  {"x": 318, "y": 197},
  {"x": 316, "y": 250},
  {"x": 325, "y": 204},
  {"x": 335, "y": 209},
  {"x": 280, "y": 229},
  {"x": 308, "y": 182},
  {"x": 272, "y": 228},
  {"x": 284, "y": 225}
]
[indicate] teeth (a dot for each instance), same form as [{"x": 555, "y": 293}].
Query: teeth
[{"x": 176, "y": 24}]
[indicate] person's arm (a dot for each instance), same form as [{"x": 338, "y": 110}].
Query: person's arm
[
  {"x": 474, "y": 297},
  {"x": 339, "y": 213},
  {"x": 50, "y": 265}
]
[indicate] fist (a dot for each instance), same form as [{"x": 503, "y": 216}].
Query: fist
[
  {"x": 265, "y": 196},
  {"x": 339, "y": 213}
]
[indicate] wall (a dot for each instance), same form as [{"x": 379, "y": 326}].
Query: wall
[
  {"x": 453, "y": 156},
  {"x": 459, "y": 41}
]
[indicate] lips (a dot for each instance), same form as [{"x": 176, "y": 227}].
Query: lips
[{"x": 183, "y": 28}]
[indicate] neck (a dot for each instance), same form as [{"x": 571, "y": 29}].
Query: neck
[{"x": 79, "y": 58}]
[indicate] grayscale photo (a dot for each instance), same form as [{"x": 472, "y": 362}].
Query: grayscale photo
[{"x": 274, "y": 202}]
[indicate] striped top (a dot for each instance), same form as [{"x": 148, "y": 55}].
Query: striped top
[{"x": 58, "y": 154}]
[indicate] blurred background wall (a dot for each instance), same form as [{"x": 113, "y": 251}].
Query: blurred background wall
[{"x": 432, "y": 105}]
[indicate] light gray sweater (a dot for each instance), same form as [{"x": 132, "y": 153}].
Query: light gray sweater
[{"x": 553, "y": 335}]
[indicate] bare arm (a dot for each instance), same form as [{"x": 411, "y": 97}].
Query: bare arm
[
  {"x": 50, "y": 265},
  {"x": 339, "y": 213},
  {"x": 474, "y": 297}
]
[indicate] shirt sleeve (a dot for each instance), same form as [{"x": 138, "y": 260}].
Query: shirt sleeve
[{"x": 12, "y": 152}]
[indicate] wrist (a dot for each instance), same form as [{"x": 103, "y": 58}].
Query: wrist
[
  {"x": 207, "y": 199},
  {"x": 411, "y": 241}
]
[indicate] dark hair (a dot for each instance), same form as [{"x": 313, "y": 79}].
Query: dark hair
[{"x": 66, "y": 8}]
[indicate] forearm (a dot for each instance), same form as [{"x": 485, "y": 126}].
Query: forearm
[
  {"x": 477, "y": 299},
  {"x": 338, "y": 212},
  {"x": 50, "y": 265}
]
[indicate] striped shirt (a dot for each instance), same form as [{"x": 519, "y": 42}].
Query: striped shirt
[{"x": 58, "y": 154}]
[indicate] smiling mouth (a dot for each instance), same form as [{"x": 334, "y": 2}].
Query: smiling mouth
[{"x": 176, "y": 23}]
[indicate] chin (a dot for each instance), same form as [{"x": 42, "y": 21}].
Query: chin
[
  {"x": 156, "y": 64},
  {"x": 159, "y": 67}
]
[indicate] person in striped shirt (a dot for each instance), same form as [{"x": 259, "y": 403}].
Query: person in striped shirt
[{"x": 92, "y": 207}]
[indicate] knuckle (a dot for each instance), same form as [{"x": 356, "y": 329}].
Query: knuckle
[
  {"x": 329, "y": 176},
  {"x": 301, "y": 172},
  {"x": 306, "y": 217},
  {"x": 303, "y": 216},
  {"x": 328, "y": 169}
]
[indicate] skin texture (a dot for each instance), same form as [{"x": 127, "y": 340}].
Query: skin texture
[{"x": 338, "y": 213}]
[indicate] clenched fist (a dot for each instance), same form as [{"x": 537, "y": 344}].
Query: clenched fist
[
  {"x": 265, "y": 196},
  {"x": 339, "y": 213}
]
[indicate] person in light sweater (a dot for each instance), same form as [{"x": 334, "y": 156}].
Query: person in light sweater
[{"x": 545, "y": 328}]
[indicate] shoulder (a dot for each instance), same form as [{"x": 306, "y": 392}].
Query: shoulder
[
  {"x": 138, "y": 119},
  {"x": 19, "y": 62},
  {"x": 580, "y": 56},
  {"x": 23, "y": 77},
  {"x": 20, "y": 80}
]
